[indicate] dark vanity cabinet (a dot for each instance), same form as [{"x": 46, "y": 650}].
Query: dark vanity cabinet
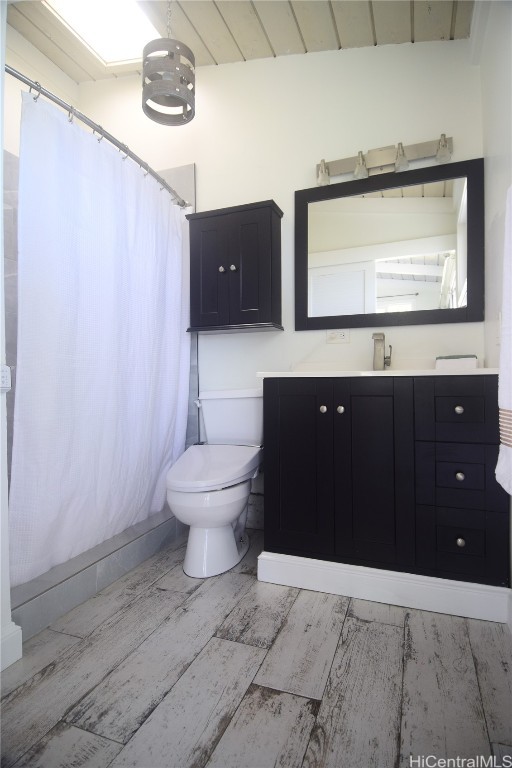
[
  {"x": 462, "y": 513},
  {"x": 235, "y": 268},
  {"x": 339, "y": 469},
  {"x": 391, "y": 472}
]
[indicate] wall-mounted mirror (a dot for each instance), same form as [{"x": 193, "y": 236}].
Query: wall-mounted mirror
[{"x": 392, "y": 249}]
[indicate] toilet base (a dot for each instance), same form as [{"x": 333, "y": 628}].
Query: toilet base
[{"x": 211, "y": 551}]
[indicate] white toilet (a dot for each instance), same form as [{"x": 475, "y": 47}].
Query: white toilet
[{"x": 208, "y": 487}]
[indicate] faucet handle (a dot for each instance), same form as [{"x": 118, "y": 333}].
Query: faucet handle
[{"x": 387, "y": 358}]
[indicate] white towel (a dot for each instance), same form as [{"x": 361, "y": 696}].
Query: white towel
[{"x": 504, "y": 466}]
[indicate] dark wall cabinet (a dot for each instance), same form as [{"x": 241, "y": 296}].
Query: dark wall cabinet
[
  {"x": 387, "y": 472},
  {"x": 235, "y": 268}
]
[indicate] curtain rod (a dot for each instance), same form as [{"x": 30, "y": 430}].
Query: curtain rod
[{"x": 96, "y": 128}]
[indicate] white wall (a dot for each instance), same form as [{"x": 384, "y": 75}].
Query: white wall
[
  {"x": 261, "y": 127},
  {"x": 492, "y": 41}
]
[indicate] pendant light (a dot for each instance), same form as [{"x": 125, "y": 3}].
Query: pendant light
[{"x": 168, "y": 80}]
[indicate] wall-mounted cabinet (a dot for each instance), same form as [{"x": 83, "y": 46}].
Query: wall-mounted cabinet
[
  {"x": 235, "y": 269},
  {"x": 388, "y": 472}
]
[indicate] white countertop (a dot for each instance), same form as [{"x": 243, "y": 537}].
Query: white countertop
[{"x": 333, "y": 373}]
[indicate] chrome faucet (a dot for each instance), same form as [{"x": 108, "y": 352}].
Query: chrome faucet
[{"x": 380, "y": 359}]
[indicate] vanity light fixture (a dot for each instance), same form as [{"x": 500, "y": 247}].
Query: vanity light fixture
[
  {"x": 443, "y": 154},
  {"x": 361, "y": 171},
  {"x": 168, "y": 80},
  {"x": 322, "y": 177},
  {"x": 385, "y": 159},
  {"x": 401, "y": 162}
]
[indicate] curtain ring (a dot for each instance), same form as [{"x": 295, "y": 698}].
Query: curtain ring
[
  {"x": 71, "y": 115},
  {"x": 126, "y": 150},
  {"x": 38, "y": 92}
]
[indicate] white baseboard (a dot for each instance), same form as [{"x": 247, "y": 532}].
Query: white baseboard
[
  {"x": 10, "y": 650},
  {"x": 459, "y": 598}
]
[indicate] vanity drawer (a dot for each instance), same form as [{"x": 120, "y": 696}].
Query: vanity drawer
[
  {"x": 460, "y": 540},
  {"x": 460, "y": 476},
  {"x": 461, "y": 409},
  {"x": 463, "y": 543},
  {"x": 457, "y": 409}
]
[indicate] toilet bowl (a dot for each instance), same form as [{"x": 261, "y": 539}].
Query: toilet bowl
[{"x": 208, "y": 487}]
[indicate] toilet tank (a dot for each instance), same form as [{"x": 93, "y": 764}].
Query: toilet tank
[{"x": 233, "y": 416}]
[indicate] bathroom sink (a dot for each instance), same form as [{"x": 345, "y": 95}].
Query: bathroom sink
[{"x": 326, "y": 370}]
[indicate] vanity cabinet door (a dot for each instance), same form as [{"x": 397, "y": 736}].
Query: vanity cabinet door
[
  {"x": 339, "y": 471},
  {"x": 374, "y": 470},
  {"x": 298, "y": 463},
  {"x": 235, "y": 268}
]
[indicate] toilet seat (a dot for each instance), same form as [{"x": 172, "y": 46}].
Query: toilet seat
[{"x": 213, "y": 467}]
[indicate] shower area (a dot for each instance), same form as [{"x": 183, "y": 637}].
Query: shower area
[{"x": 38, "y": 601}]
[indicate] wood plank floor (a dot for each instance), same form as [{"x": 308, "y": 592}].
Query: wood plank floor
[{"x": 163, "y": 671}]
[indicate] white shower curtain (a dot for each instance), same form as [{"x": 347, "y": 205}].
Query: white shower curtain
[{"x": 103, "y": 353}]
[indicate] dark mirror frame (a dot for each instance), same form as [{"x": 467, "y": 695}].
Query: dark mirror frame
[{"x": 473, "y": 170}]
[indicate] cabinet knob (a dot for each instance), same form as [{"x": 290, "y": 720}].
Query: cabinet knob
[
  {"x": 323, "y": 409},
  {"x": 233, "y": 268},
  {"x": 460, "y": 476},
  {"x": 341, "y": 409},
  {"x": 221, "y": 269},
  {"x": 461, "y": 542},
  {"x": 459, "y": 409}
]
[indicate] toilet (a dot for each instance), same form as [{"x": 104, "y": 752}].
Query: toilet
[{"x": 208, "y": 487}]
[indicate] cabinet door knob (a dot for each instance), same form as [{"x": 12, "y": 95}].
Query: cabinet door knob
[
  {"x": 221, "y": 269},
  {"x": 341, "y": 409},
  {"x": 461, "y": 543},
  {"x": 459, "y": 409},
  {"x": 460, "y": 476},
  {"x": 323, "y": 409},
  {"x": 233, "y": 268}
]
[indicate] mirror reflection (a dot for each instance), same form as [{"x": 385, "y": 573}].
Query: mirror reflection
[
  {"x": 391, "y": 249},
  {"x": 397, "y": 249}
]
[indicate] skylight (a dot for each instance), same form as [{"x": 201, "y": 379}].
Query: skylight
[{"x": 114, "y": 30}]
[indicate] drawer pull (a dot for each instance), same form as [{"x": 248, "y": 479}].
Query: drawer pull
[
  {"x": 460, "y": 476},
  {"x": 341, "y": 409},
  {"x": 323, "y": 409},
  {"x": 459, "y": 410},
  {"x": 461, "y": 542},
  {"x": 222, "y": 269}
]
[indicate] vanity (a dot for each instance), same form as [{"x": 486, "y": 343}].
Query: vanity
[{"x": 381, "y": 485}]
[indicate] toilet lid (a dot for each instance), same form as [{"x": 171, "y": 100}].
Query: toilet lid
[{"x": 211, "y": 467}]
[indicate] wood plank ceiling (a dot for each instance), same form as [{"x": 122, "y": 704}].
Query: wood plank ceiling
[{"x": 225, "y": 31}]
